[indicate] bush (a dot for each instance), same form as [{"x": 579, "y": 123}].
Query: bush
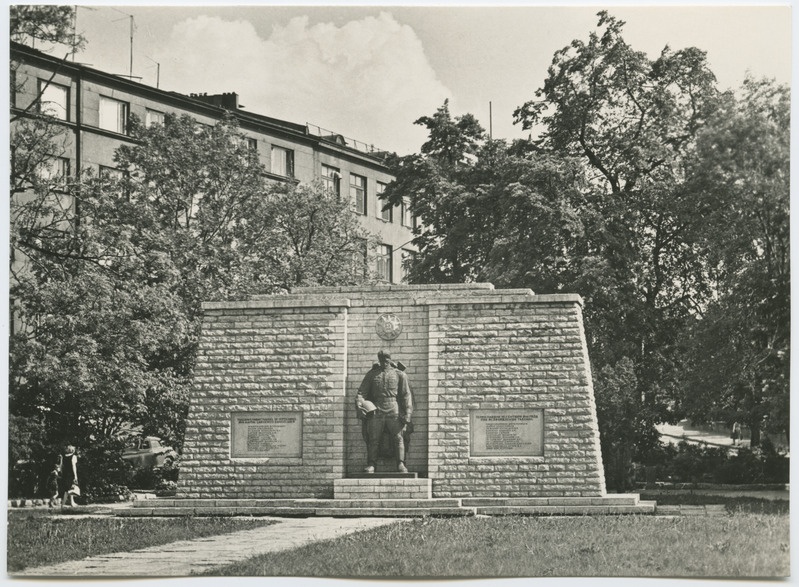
[
  {"x": 170, "y": 470},
  {"x": 151, "y": 477},
  {"x": 144, "y": 478},
  {"x": 166, "y": 488},
  {"x": 101, "y": 465},
  {"x": 691, "y": 463},
  {"x": 103, "y": 492}
]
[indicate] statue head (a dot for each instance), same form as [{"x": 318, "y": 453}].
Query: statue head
[{"x": 384, "y": 357}]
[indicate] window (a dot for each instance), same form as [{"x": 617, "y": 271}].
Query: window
[
  {"x": 53, "y": 100},
  {"x": 408, "y": 257},
  {"x": 331, "y": 177},
  {"x": 408, "y": 219},
  {"x": 358, "y": 192},
  {"x": 283, "y": 162},
  {"x": 111, "y": 173},
  {"x": 384, "y": 263},
  {"x": 153, "y": 117},
  {"x": 252, "y": 144},
  {"x": 113, "y": 115},
  {"x": 201, "y": 127},
  {"x": 360, "y": 258},
  {"x": 112, "y": 178},
  {"x": 386, "y": 214},
  {"x": 55, "y": 173},
  {"x": 55, "y": 169}
]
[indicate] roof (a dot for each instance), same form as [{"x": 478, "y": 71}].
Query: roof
[{"x": 246, "y": 119}]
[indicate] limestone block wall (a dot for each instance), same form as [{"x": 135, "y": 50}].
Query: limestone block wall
[
  {"x": 267, "y": 356},
  {"x": 468, "y": 348},
  {"x": 512, "y": 351}
]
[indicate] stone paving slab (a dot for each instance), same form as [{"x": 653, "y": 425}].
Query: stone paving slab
[{"x": 181, "y": 559}]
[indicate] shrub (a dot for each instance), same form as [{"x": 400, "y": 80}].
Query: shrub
[
  {"x": 691, "y": 463},
  {"x": 103, "y": 492},
  {"x": 101, "y": 464},
  {"x": 166, "y": 488}
]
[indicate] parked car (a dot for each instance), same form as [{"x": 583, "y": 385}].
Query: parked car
[{"x": 148, "y": 451}]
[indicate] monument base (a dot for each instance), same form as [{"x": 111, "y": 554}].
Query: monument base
[
  {"x": 368, "y": 505},
  {"x": 383, "y": 486}
]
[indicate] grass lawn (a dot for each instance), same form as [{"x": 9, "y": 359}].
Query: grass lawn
[
  {"x": 38, "y": 538},
  {"x": 739, "y": 545}
]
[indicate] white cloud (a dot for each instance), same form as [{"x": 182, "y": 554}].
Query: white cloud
[{"x": 368, "y": 79}]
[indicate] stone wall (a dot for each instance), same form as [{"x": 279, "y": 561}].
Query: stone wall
[
  {"x": 262, "y": 356},
  {"x": 512, "y": 352},
  {"x": 467, "y": 348}
]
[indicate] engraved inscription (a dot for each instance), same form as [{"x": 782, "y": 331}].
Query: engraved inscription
[
  {"x": 266, "y": 434},
  {"x": 510, "y": 432}
]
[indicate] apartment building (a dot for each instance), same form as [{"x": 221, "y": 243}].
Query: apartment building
[{"x": 97, "y": 106}]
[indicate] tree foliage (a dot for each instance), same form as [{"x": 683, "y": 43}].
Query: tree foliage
[
  {"x": 739, "y": 351},
  {"x": 48, "y": 24},
  {"x": 659, "y": 199},
  {"x": 108, "y": 297}
]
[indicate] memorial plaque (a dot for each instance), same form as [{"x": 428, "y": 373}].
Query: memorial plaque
[
  {"x": 266, "y": 434},
  {"x": 506, "y": 433}
]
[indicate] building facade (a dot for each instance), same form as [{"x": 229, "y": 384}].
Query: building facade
[{"x": 96, "y": 107}]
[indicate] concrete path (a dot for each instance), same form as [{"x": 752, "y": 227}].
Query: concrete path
[{"x": 181, "y": 559}]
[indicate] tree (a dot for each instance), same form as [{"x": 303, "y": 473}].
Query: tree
[
  {"x": 635, "y": 123},
  {"x": 600, "y": 204},
  {"x": 41, "y": 214},
  {"x": 741, "y": 343},
  {"x": 51, "y": 25},
  {"x": 450, "y": 140},
  {"x": 110, "y": 306}
]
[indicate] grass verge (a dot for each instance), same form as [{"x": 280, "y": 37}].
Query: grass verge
[
  {"x": 740, "y": 545},
  {"x": 38, "y": 538}
]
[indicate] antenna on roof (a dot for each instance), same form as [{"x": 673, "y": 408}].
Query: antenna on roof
[
  {"x": 132, "y": 28},
  {"x": 157, "y": 71},
  {"x": 75, "y": 26}
]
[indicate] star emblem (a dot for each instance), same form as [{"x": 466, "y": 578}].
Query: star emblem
[{"x": 388, "y": 326}]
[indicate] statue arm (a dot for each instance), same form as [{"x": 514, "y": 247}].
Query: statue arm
[
  {"x": 405, "y": 397},
  {"x": 365, "y": 389}
]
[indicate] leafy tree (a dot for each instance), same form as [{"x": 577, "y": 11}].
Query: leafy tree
[
  {"x": 41, "y": 213},
  {"x": 450, "y": 140},
  {"x": 606, "y": 203},
  {"x": 634, "y": 122},
  {"x": 741, "y": 343},
  {"x": 110, "y": 306},
  {"x": 48, "y": 24},
  {"x": 624, "y": 419}
]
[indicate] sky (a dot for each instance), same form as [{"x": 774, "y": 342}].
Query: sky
[{"x": 367, "y": 72}]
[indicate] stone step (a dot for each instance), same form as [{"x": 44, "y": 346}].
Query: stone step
[
  {"x": 383, "y": 476},
  {"x": 327, "y": 512},
  {"x": 642, "y": 507},
  {"x": 382, "y": 488},
  {"x": 296, "y": 503},
  {"x": 621, "y": 499},
  {"x": 395, "y": 512}
]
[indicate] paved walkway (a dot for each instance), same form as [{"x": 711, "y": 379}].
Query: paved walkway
[{"x": 181, "y": 559}]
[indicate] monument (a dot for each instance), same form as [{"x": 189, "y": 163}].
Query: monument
[{"x": 502, "y": 399}]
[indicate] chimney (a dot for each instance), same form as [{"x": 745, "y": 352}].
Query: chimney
[{"x": 227, "y": 100}]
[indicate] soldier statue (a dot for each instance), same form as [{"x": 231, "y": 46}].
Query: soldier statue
[{"x": 385, "y": 403}]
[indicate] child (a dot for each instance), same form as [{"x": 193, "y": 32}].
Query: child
[{"x": 52, "y": 483}]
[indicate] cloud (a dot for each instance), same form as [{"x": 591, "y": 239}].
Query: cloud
[{"x": 368, "y": 79}]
